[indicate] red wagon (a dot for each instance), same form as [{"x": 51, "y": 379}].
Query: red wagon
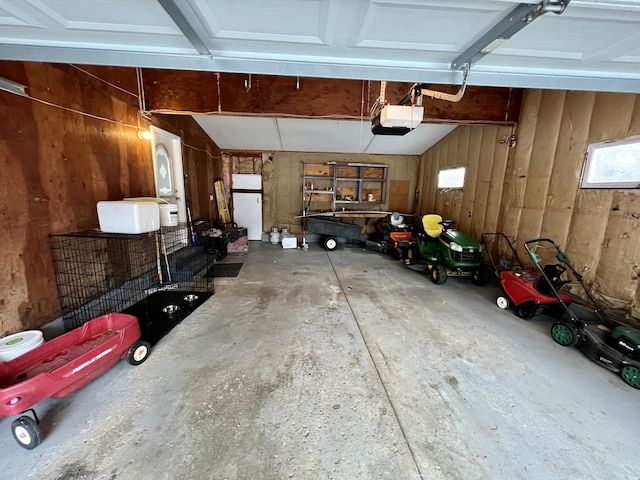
[{"x": 64, "y": 364}]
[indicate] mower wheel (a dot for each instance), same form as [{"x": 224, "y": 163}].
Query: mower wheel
[
  {"x": 502, "y": 302},
  {"x": 27, "y": 432},
  {"x": 564, "y": 334},
  {"x": 481, "y": 277},
  {"x": 438, "y": 274},
  {"x": 397, "y": 253},
  {"x": 330, "y": 244},
  {"x": 138, "y": 352},
  {"x": 525, "y": 310},
  {"x": 631, "y": 375}
]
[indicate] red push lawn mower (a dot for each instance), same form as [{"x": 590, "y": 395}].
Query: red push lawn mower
[{"x": 529, "y": 292}]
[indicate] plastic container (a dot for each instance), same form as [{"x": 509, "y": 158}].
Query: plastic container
[
  {"x": 168, "y": 215},
  {"x": 289, "y": 241},
  {"x": 128, "y": 217},
  {"x": 19, "y": 343}
]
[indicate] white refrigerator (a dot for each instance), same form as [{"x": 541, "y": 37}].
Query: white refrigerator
[{"x": 246, "y": 193}]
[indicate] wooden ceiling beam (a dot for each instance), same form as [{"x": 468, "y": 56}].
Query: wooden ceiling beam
[{"x": 266, "y": 95}]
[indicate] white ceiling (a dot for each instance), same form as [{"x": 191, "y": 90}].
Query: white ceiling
[
  {"x": 593, "y": 45},
  {"x": 309, "y": 135}
]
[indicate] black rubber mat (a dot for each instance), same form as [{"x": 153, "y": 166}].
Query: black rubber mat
[
  {"x": 224, "y": 270},
  {"x": 156, "y": 320}
]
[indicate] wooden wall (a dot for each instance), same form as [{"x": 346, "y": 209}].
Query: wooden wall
[
  {"x": 282, "y": 182},
  {"x": 57, "y": 164},
  {"x": 483, "y": 151},
  {"x": 600, "y": 229},
  {"x": 540, "y": 193},
  {"x": 269, "y": 95}
]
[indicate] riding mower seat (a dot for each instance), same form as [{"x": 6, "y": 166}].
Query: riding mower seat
[{"x": 432, "y": 225}]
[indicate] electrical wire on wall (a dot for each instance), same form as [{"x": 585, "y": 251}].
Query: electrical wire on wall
[
  {"x": 23, "y": 93},
  {"x": 117, "y": 87}
]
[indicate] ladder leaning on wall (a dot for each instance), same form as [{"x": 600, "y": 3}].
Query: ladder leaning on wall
[{"x": 223, "y": 206}]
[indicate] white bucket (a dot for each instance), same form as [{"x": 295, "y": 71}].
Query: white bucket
[
  {"x": 168, "y": 215},
  {"x": 19, "y": 343}
]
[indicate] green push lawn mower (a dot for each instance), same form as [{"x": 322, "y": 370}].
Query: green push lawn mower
[{"x": 447, "y": 252}]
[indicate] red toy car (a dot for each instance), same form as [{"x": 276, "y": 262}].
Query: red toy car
[{"x": 64, "y": 364}]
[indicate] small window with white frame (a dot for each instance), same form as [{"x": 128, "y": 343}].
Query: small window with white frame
[
  {"x": 451, "y": 177},
  {"x": 614, "y": 164}
]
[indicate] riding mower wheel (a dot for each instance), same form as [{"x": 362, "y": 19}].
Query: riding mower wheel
[
  {"x": 481, "y": 276},
  {"x": 438, "y": 274}
]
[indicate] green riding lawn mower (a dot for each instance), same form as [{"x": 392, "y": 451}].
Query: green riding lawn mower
[{"x": 446, "y": 252}]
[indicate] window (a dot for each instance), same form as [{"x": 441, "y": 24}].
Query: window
[
  {"x": 451, "y": 178},
  {"x": 612, "y": 164}
]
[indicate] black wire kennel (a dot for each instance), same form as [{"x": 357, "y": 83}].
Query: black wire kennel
[{"x": 98, "y": 273}]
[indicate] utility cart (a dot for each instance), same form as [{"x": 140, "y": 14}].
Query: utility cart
[{"x": 332, "y": 229}]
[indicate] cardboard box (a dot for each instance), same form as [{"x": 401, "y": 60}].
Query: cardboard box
[
  {"x": 289, "y": 241},
  {"x": 128, "y": 217}
]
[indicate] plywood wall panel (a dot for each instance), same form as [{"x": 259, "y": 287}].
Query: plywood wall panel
[
  {"x": 541, "y": 195},
  {"x": 479, "y": 150},
  {"x": 57, "y": 164},
  {"x": 634, "y": 123},
  {"x": 399, "y": 196},
  {"x": 498, "y": 172},
  {"x": 473, "y": 138},
  {"x": 314, "y": 97},
  {"x": 588, "y": 230},
  {"x": 618, "y": 268},
  {"x": 282, "y": 183},
  {"x": 565, "y": 174},
  {"x": 483, "y": 179},
  {"x": 612, "y": 116},
  {"x": 468, "y": 154},
  {"x": 526, "y": 132}
]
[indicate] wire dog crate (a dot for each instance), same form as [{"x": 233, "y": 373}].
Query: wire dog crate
[{"x": 98, "y": 273}]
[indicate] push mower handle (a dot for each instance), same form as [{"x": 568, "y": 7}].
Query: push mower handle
[{"x": 540, "y": 240}]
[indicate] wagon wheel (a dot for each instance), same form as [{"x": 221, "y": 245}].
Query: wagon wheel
[
  {"x": 27, "y": 432},
  {"x": 330, "y": 243},
  {"x": 138, "y": 352},
  {"x": 631, "y": 375}
]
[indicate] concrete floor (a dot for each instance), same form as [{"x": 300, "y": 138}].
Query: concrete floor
[{"x": 345, "y": 365}]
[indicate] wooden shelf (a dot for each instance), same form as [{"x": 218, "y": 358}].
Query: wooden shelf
[{"x": 355, "y": 180}]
